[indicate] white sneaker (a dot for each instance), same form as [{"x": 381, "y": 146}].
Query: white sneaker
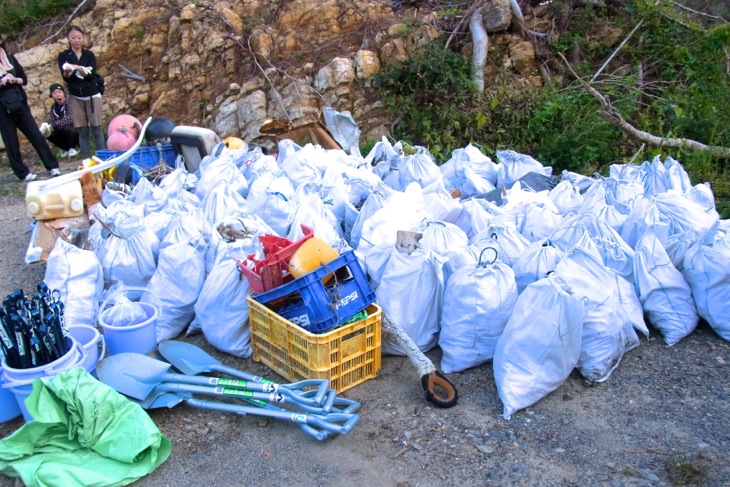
[
  {"x": 30, "y": 177},
  {"x": 72, "y": 152},
  {"x": 64, "y": 154},
  {"x": 54, "y": 173}
]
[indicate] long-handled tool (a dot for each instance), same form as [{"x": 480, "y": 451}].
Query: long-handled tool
[
  {"x": 193, "y": 360},
  {"x": 161, "y": 396},
  {"x": 135, "y": 375},
  {"x": 309, "y": 423}
]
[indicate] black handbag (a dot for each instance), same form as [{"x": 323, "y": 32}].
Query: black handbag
[{"x": 11, "y": 99}]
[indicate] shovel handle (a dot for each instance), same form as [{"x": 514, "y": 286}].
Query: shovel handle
[
  {"x": 314, "y": 433},
  {"x": 323, "y": 386},
  {"x": 325, "y": 422}
]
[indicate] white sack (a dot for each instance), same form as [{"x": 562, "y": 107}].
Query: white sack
[
  {"x": 512, "y": 166},
  {"x": 608, "y": 332},
  {"x": 176, "y": 284},
  {"x": 221, "y": 201},
  {"x": 665, "y": 295},
  {"x": 540, "y": 344},
  {"x": 566, "y": 197},
  {"x": 411, "y": 294},
  {"x": 221, "y": 169},
  {"x": 79, "y": 277},
  {"x": 535, "y": 262},
  {"x": 478, "y": 302},
  {"x": 222, "y": 310},
  {"x": 708, "y": 274},
  {"x": 151, "y": 197},
  {"x": 271, "y": 198},
  {"x": 418, "y": 168},
  {"x": 442, "y": 237}
]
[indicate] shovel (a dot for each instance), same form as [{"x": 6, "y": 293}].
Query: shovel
[
  {"x": 193, "y": 360},
  {"x": 135, "y": 375},
  {"x": 164, "y": 395}
]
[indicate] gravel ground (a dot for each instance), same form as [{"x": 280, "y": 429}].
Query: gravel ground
[{"x": 663, "y": 418}]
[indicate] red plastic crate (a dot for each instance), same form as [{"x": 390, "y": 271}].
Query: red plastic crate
[{"x": 273, "y": 271}]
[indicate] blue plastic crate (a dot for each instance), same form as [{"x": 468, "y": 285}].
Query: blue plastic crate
[
  {"x": 319, "y": 306},
  {"x": 144, "y": 158}
]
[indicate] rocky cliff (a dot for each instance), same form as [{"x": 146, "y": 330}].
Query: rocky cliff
[{"x": 232, "y": 65}]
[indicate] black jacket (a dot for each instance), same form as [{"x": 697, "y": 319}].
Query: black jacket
[
  {"x": 77, "y": 86},
  {"x": 18, "y": 72}
]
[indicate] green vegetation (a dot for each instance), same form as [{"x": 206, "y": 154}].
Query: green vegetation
[
  {"x": 686, "y": 472},
  {"x": 669, "y": 79},
  {"x": 18, "y": 14}
]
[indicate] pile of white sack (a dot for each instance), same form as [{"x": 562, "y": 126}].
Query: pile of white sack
[{"x": 543, "y": 283}]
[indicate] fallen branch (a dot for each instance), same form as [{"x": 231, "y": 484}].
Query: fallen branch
[{"x": 614, "y": 116}]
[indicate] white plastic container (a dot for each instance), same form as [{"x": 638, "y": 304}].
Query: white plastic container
[{"x": 63, "y": 201}]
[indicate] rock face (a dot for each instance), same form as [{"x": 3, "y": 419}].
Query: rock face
[{"x": 232, "y": 65}]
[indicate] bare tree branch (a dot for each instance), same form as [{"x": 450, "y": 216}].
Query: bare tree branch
[
  {"x": 613, "y": 54},
  {"x": 65, "y": 23},
  {"x": 716, "y": 17},
  {"x": 614, "y": 116}
]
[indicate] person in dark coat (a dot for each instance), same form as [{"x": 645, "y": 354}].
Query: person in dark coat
[
  {"x": 62, "y": 132},
  {"x": 78, "y": 68},
  {"x": 15, "y": 115}
]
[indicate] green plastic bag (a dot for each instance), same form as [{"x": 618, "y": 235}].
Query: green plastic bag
[{"x": 83, "y": 433}]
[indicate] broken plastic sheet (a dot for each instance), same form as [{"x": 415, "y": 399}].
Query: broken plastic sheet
[{"x": 83, "y": 433}]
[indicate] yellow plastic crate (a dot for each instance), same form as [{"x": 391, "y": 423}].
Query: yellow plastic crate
[{"x": 347, "y": 355}]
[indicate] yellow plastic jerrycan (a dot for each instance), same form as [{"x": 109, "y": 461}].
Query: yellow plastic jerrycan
[
  {"x": 313, "y": 254},
  {"x": 63, "y": 201}
]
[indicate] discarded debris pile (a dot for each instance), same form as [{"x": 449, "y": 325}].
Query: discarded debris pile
[{"x": 500, "y": 262}]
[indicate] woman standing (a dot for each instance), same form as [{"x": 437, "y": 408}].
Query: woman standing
[
  {"x": 15, "y": 115},
  {"x": 78, "y": 67}
]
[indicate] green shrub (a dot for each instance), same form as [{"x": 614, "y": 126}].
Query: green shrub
[{"x": 18, "y": 14}]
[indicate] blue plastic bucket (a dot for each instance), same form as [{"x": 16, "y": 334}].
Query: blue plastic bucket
[
  {"x": 138, "y": 337},
  {"x": 20, "y": 381},
  {"x": 9, "y": 408},
  {"x": 89, "y": 338}
]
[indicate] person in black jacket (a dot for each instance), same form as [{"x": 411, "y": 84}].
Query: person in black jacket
[
  {"x": 60, "y": 126},
  {"x": 78, "y": 68},
  {"x": 15, "y": 115}
]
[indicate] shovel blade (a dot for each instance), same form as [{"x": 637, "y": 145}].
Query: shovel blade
[
  {"x": 188, "y": 358},
  {"x": 131, "y": 374}
]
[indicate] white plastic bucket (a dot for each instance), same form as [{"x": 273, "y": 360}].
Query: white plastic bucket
[
  {"x": 20, "y": 381},
  {"x": 9, "y": 408},
  {"x": 139, "y": 337},
  {"x": 89, "y": 338}
]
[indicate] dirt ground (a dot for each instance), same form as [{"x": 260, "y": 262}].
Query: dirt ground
[{"x": 663, "y": 418}]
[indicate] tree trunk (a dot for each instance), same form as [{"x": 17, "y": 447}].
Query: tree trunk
[{"x": 480, "y": 41}]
